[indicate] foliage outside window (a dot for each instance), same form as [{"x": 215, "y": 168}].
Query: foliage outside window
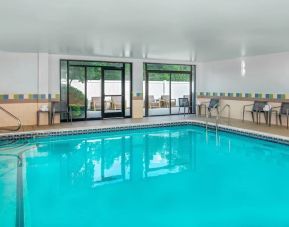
[{"x": 163, "y": 68}]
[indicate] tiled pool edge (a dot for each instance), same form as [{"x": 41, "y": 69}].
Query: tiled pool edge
[
  {"x": 254, "y": 134},
  {"x": 87, "y": 130},
  {"x": 121, "y": 127}
]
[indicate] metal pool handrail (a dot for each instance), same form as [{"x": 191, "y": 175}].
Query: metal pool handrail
[
  {"x": 219, "y": 114},
  {"x": 19, "y": 193},
  {"x": 19, "y": 124}
]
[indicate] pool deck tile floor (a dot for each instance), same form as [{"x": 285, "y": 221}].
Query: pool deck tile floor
[{"x": 275, "y": 130}]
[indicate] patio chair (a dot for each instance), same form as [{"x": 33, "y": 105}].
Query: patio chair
[
  {"x": 116, "y": 102},
  {"x": 61, "y": 108},
  {"x": 154, "y": 103},
  {"x": 189, "y": 98},
  {"x": 283, "y": 111},
  {"x": 257, "y": 108},
  {"x": 184, "y": 103},
  {"x": 213, "y": 104},
  {"x": 167, "y": 102},
  {"x": 95, "y": 103}
]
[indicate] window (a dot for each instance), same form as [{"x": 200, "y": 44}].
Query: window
[
  {"x": 96, "y": 90},
  {"x": 165, "y": 85}
]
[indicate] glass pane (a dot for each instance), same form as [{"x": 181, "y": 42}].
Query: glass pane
[
  {"x": 112, "y": 103},
  {"x": 93, "y": 92},
  {"x": 180, "y": 88},
  {"x": 127, "y": 89},
  {"x": 112, "y": 82},
  {"x": 112, "y": 91},
  {"x": 168, "y": 89},
  {"x": 159, "y": 94},
  {"x": 77, "y": 91},
  {"x": 169, "y": 67},
  {"x": 63, "y": 84},
  {"x": 144, "y": 90},
  {"x": 193, "y": 89},
  {"x": 95, "y": 63}
]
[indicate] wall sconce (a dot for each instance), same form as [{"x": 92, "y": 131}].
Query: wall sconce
[{"x": 243, "y": 68}]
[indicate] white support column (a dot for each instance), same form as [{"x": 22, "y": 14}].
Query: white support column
[
  {"x": 43, "y": 84},
  {"x": 137, "y": 87},
  {"x": 43, "y": 80}
]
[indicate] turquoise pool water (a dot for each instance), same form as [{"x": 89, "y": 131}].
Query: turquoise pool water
[{"x": 168, "y": 177}]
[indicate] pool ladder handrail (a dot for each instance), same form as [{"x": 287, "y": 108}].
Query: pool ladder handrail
[
  {"x": 207, "y": 113},
  {"x": 19, "y": 124},
  {"x": 218, "y": 117}
]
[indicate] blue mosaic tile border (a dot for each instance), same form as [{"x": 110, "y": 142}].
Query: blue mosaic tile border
[
  {"x": 4, "y": 97},
  {"x": 243, "y": 132},
  {"x": 245, "y": 95},
  {"x": 22, "y": 97},
  {"x": 41, "y": 134}
]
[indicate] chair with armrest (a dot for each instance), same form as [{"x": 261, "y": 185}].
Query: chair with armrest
[
  {"x": 190, "y": 102},
  {"x": 153, "y": 103},
  {"x": 184, "y": 103},
  {"x": 283, "y": 111},
  {"x": 95, "y": 103},
  {"x": 116, "y": 102},
  {"x": 166, "y": 102},
  {"x": 61, "y": 108},
  {"x": 257, "y": 108},
  {"x": 211, "y": 105},
  {"x": 187, "y": 97}
]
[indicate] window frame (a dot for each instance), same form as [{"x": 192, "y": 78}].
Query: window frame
[{"x": 192, "y": 74}]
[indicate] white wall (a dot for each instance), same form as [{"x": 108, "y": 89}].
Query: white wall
[
  {"x": 18, "y": 73},
  {"x": 43, "y": 71},
  {"x": 264, "y": 74},
  {"x": 24, "y": 73}
]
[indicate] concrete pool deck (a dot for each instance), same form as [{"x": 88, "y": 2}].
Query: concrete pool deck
[{"x": 247, "y": 125}]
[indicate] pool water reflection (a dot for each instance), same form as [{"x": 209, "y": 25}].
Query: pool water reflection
[{"x": 173, "y": 176}]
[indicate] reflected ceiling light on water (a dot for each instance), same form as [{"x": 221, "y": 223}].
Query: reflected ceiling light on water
[{"x": 243, "y": 68}]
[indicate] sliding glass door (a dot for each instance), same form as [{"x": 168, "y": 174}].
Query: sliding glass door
[
  {"x": 96, "y": 90},
  {"x": 76, "y": 95},
  {"x": 113, "y": 93},
  {"x": 180, "y": 88},
  {"x": 158, "y": 94},
  {"x": 166, "y": 86}
]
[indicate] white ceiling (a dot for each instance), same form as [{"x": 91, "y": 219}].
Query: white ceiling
[{"x": 195, "y": 30}]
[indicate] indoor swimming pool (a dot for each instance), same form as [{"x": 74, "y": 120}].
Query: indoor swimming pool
[{"x": 174, "y": 176}]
